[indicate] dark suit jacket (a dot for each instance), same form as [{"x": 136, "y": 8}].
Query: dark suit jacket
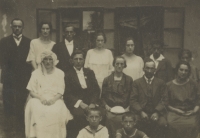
[
  {"x": 164, "y": 70},
  {"x": 15, "y": 71},
  {"x": 138, "y": 99},
  {"x": 74, "y": 91},
  {"x": 63, "y": 56}
]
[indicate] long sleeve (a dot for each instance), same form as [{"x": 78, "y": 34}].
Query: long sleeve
[
  {"x": 69, "y": 99},
  {"x": 169, "y": 72},
  {"x": 110, "y": 63},
  {"x": 87, "y": 60},
  {"x": 61, "y": 83},
  {"x": 141, "y": 67},
  {"x": 31, "y": 54},
  {"x": 33, "y": 83},
  {"x": 161, "y": 105},
  {"x": 134, "y": 103},
  {"x": 95, "y": 88},
  {"x": 103, "y": 95}
]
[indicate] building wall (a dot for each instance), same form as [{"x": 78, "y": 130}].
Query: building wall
[{"x": 26, "y": 10}]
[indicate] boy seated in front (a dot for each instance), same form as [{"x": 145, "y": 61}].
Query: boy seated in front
[
  {"x": 94, "y": 129},
  {"x": 129, "y": 130}
]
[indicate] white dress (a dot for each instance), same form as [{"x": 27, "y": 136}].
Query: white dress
[
  {"x": 100, "y": 63},
  {"x": 37, "y": 46},
  {"x": 134, "y": 67},
  {"x": 44, "y": 121}
]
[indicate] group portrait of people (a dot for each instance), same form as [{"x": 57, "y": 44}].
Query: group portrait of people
[{"x": 57, "y": 90}]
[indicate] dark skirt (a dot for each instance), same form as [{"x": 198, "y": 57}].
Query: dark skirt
[{"x": 182, "y": 126}]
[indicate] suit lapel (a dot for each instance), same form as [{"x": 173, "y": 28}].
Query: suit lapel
[
  {"x": 160, "y": 64},
  {"x": 86, "y": 77},
  {"x": 154, "y": 84},
  {"x": 65, "y": 51},
  {"x": 143, "y": 84},
  {"x": 12, "y": 41},
  {"x": 75, "y": 78}
]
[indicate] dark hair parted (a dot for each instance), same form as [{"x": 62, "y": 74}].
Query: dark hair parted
[
  {"x": 127, "y": 39},
  {"x": 157, "y": 42},
  {"x": 185, "y": 51},
  {"x": 114, "y": 61},
  {"x": 148, "y": 60},
  {"x": 89, "y": 110},
  {"x": 42, "y": 23},
  {"x": 77, "y": 51},
  {"x": 129, "y": 114},
  {"x": 183, "y": 63},
  {"x": 68, "y": 25},
  {"x": 100, "y": 34},
  {"x": 17, "y": 19}
]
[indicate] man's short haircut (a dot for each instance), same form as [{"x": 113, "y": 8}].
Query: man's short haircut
[
  {"x": 185, "y": 51},
  {"x": 101, "y": 33},
  {"x": 148, "y": 60},
  {"x": 68, "y": 25},
  {"x": 42, "y": 23},
  {"x": 77, "y": 51},
  {"x": 114, "y": 61},
  {"x": 89, "y": 110},
  {"x": 157, "y": 42},
  {"x": 183, "y": 63},
  {"x": 128, "y": 39},
  {"x": 129, "y": 114},
  {"x": 16, "y": 19}
]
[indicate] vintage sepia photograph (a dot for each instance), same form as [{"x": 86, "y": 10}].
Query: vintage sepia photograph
[{"x": 99, "y": 69}]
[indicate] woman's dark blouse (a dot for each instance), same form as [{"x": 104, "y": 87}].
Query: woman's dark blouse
[
  {"x": 183, "y": 96},
  {"x": 117, "y": 93}
]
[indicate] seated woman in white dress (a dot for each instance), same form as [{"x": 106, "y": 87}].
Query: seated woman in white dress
[
  {"x": 46, "y": 115},
  {"x": 99, "y": 59},
  {"x": 38, "y": 45},
  {"x": 134, "y": 63}
]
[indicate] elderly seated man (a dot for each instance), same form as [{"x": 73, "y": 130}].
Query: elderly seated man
[
  {"x": 147, "y": 100},
  {"x": 115, "y": 95}
]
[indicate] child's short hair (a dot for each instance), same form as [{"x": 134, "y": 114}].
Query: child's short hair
[
  {"x": 129, "y": 114},
  {"x": 89, "y": 110}
]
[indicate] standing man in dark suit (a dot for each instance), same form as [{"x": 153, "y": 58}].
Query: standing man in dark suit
[
  {"x": 65, "y": 49},
  {"x": 81, "y": 92},
  {"x": 147, "y": 100},
  {"x": 163, "y": 66},
  {"x": 15, "y": 71}
]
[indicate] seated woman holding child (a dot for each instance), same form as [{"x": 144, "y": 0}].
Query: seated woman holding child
[{"x": 46, "y": 114}]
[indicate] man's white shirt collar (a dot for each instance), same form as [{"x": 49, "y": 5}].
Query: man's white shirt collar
[
  {"x": 161, "y": 57},
  {"x": 17, "y": 41},
  {"x": 81, "y": 77},
  {"x": 151, "y": 79},
  {"x": 79, "y": 71},
  {"x": 69, "y": 43}
]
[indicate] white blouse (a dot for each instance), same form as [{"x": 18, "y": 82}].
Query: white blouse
[{"x": 134, "y": 67}]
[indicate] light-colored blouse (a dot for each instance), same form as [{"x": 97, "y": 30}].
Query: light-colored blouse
[
  {"x": 37, "y": 46},
  {"x": 100, "y": 63},
  {"x": 134, "y": 67}
]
